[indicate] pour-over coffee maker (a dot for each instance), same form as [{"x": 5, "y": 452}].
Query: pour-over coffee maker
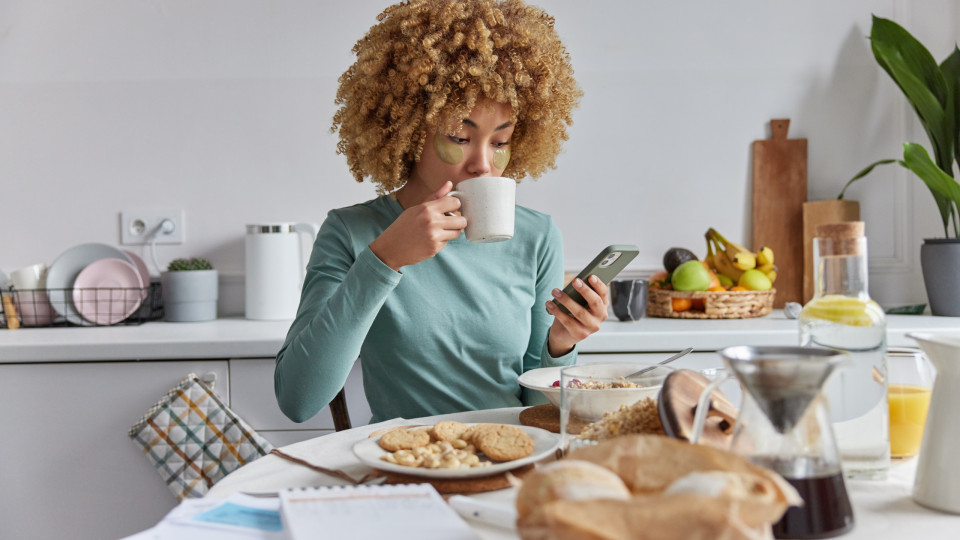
[{"x": 784, "y": 425}]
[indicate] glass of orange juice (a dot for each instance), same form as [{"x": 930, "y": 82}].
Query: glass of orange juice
[{"x": 910, "y": 383}]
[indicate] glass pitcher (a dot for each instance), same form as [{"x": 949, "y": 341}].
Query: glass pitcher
[{"x": 784, "y": 425}]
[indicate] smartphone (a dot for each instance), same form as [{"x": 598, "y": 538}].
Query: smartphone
[{"x": 605, "y": 266}]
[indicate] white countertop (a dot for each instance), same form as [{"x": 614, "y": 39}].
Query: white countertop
[
  {"x": 221, "y": 338},
  {"x": 668, "y": 335},
  {"x": 242, "y": 338}
]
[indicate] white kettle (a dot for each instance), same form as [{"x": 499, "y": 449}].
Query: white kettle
[{"x": 275, "y": 269}]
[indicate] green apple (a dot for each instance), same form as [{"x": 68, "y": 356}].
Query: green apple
[{"x": 691, "y": 276}]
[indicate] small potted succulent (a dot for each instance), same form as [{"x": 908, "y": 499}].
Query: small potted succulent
[{"x": 190, "y": 290}]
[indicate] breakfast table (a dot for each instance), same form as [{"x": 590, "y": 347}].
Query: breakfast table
[{"x": 883, "y": 509}]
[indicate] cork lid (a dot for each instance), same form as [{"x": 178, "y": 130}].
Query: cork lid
[
  {"x": 840, "y": 238},
  {"x": 844, "y": 229}
]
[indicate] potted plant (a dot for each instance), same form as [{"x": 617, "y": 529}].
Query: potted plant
[
  {"x": 934, "y": 92},
  {"x": 190, "y": 290}
]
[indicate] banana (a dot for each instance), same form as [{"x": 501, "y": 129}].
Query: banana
[
  {"x": 741, "y": 257},
  {"x": 764, "y": 256},
  {"x": 725, "y": 266},
  {"x": 770, "y": 270},
  {"x": 709, "y": 258},
  {"x": 744, "y": 260}
]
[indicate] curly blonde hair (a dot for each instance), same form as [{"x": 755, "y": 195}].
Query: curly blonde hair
[{"x": 423, "y": 67}]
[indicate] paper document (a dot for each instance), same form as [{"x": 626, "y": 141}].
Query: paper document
[
  {"x": 370, "y": 512},
  {"x": 238, "y": 517}
]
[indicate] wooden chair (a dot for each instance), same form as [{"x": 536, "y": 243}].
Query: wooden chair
[{"x": 338, "y": 409}]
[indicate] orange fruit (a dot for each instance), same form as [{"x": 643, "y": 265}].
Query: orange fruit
[
  {"x": 680, "y": 304},
  {"x": 659, "y": 280},
  {"x": 738, "y": 288}
]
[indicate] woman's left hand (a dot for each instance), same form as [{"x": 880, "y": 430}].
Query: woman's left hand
[{"x": 569, "y": 329}]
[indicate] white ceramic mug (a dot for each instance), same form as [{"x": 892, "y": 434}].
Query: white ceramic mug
[
  {"x": 30, "y": 296},
  {"x": 488, "y": 204}
]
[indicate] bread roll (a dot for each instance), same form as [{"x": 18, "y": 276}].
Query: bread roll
[
  {"x": 570, "y": 480},
  {"x": 740, "y": 486}
]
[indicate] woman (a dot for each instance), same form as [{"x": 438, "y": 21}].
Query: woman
[{"x": 441, "y": 91}]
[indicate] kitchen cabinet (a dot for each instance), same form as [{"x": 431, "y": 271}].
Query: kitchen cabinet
[{"x": 67, "y": 467}]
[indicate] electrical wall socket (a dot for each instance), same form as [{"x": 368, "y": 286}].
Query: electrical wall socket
[{"x": 137, "y": 226}]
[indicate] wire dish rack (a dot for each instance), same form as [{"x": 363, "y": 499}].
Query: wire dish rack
[{"x": 101, "y": 306}]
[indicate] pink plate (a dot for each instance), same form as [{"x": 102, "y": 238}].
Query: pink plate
[{"x": 107, "y": 291}]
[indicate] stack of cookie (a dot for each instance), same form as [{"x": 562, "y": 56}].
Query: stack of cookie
[{"x": 454, "y": 445}]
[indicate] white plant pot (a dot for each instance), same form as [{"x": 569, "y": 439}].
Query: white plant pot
[{"x": 190, "y": 295}]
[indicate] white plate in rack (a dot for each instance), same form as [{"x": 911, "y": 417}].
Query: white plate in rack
[
  {"x": 107, "y": 291},
  {"x": 545, "y": 444},
  {"x": 142, "y": 269},
  {"x": 64, "y": 271}
]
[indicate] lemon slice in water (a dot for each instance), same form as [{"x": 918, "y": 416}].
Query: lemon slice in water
[{"x": 843, "y": 310}]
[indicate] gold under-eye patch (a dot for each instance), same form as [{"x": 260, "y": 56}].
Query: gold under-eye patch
[
  {"x": 501, "y": 156},
  {"x": 446, "y": 150}
]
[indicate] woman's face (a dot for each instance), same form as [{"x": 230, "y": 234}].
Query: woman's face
[{"x": 480, "y": 148}]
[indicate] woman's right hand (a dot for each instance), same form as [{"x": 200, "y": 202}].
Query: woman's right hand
[{"x": 421, "y": 231}]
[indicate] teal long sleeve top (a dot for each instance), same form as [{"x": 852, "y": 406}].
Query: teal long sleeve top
[{"x": 451, "y": 333}]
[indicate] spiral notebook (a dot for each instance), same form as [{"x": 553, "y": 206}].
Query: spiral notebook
[{"x": 370, "y": 511}]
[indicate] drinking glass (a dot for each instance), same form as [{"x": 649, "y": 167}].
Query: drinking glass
[
  {"x": 590, "y": 391},
  {"x": 910, "y": 383}
]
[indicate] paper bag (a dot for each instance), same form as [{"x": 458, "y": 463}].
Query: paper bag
[{"x": 648, "y": 466}]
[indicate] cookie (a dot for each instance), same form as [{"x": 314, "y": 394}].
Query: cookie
[
  {"x": 449, "y": 431},
  {"x": 404, "y": 439},
  {"x": 501, "y": 442},
  {"x": 467, "y": 435}
]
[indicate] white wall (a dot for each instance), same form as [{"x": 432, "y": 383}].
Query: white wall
[{"x": 223, "y": 108}]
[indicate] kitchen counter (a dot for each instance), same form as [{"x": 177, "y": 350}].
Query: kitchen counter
[{"x": 242, "y": 338}]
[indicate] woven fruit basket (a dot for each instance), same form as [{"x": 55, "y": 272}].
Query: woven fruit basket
[{"x": 716, "y": 304}]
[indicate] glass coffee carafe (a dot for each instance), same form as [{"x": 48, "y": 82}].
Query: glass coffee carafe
[{"x": 784, "y": 425}]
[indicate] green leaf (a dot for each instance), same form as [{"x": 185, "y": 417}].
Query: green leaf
[
  {"x": 888, "y": 33},
  {"x": 951, "y": 75},
  {"x": 863, "y": 173},
  {"x": 917, "y": 74},
  {"x": 945, "y": 189}
]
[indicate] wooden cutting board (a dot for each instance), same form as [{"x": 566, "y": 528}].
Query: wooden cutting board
[{"x": 779, "y": 191}]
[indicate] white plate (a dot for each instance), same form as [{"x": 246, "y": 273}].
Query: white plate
[
  {"x": 142, "y": 269},
  {"x": 545, "y": 445},
  {"x": 107, "y": 291},
  {"x": 64, "y": 270}
]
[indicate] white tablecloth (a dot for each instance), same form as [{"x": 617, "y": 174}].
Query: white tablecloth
[{"x": 882, "y": 509}]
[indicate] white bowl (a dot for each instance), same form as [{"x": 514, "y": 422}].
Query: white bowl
[
  {"x": 542, "y": 379},
  {"x": 591, "y": 404}
]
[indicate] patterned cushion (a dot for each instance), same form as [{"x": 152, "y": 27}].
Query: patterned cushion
[{"x": 193, "y": 439}]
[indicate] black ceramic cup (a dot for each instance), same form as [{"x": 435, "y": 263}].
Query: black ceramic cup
[{"x": 629, "y": 298}]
